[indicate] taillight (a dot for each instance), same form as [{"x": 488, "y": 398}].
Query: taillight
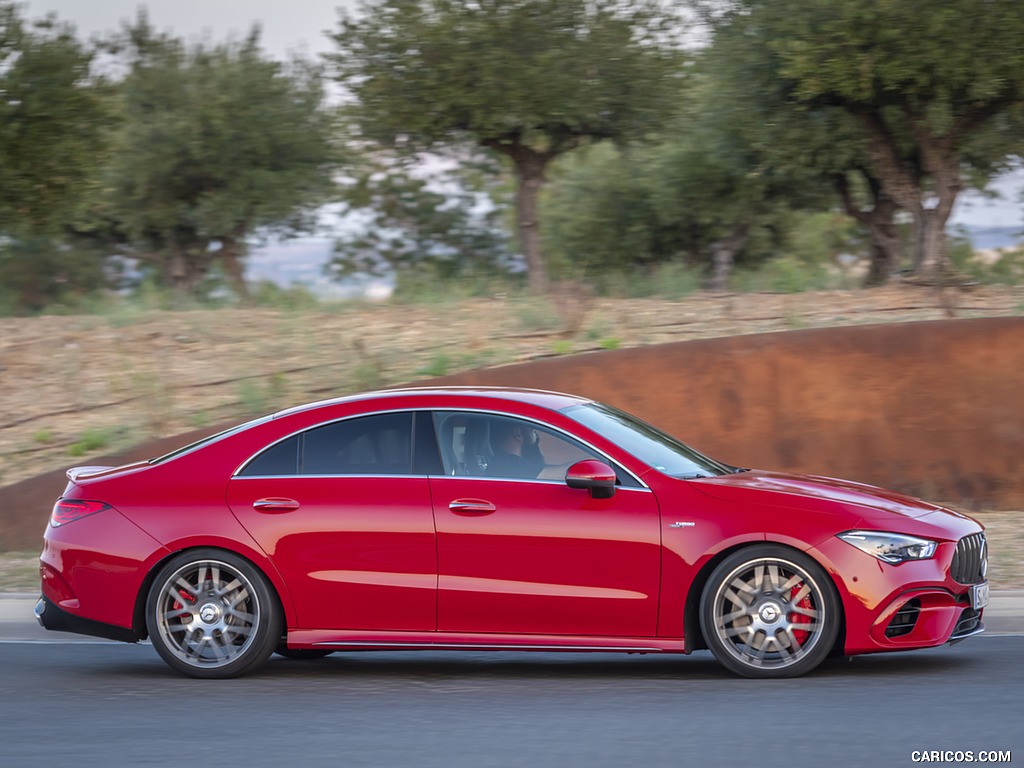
[{"x": 68, "y": 510}]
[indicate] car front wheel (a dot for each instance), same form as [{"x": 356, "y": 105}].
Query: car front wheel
[
  {"x": 769, "y": 611},
  {"x": 211, "y": 614}
]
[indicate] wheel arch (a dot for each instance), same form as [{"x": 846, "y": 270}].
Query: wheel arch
[
  {"x": 693, "y": 635},
  {"x": 139, "y": 627}
]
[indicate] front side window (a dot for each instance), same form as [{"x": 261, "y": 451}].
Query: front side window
[
  {"x": 490, "y": 445},
  {"x": 366, "y": 445}
]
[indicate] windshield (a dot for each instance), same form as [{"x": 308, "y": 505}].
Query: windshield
[{"x": 647, "y": 443}]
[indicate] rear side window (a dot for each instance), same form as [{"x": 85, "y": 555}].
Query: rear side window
[
  {"x": 371, "y": 445},
  {"x": 367, "y": 445}
]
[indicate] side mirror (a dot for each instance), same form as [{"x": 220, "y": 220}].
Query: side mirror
[{"x": 594, "y": 476}]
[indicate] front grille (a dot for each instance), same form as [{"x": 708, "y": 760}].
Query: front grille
[
  {"x": 905, "y": 619},
  {"x": 970, "y": 561}
]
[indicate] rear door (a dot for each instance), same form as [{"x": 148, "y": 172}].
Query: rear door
[{"x": 346, "y": 517}]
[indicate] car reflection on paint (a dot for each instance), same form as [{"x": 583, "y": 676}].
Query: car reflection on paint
[{"x": 495, "y": 519}]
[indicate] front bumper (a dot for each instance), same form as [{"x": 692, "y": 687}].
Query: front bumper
[
  {"x": 925, "y": 617},
  {"x": 893, "y": 608}
]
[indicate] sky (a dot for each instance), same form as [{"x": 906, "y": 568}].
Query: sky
[
  {"x": 287, "y": 24},
  {"x": 299, "y": 25}
]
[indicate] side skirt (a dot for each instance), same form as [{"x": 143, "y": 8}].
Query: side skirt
[{"x": 356, "y": 640}]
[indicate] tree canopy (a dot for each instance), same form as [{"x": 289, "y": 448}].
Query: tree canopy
[
  {"x": 53, "y": 119},
  {"x": 920, "y": 77},
  {"x": 217, "y": 143},
  {"x": 529, "y": 79},
  {"x": 182, "y": 155}
]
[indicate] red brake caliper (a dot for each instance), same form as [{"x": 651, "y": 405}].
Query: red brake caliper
[
  {"x": 801, "y": 635},
  {"x": 188, "y": 599}
]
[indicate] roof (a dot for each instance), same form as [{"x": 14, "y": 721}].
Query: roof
[{"x": 538, "y": 397}]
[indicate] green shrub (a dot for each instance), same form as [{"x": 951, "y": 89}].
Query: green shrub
[
  {"x": 784, "y": 274},
  {"x": 438, "y": 366},
  {"x": 295, "y": 297},
  {"x": 91, "y": 440}
]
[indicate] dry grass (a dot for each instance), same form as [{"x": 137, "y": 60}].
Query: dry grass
[{"x": 19, "y": 572}]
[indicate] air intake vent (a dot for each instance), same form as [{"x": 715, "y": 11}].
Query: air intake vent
[
  {"x": 970, "y": 621},
  {"x": 905, "y": 619}
]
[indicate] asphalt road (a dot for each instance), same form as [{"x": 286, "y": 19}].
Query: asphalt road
[{"x": 104, "y": 704}]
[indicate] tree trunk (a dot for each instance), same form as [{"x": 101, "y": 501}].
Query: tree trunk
[
  {"x": 232, "y": 254},
  {"x": 723, "y": 255},
  {"x": 884, "y": 260},
  {"x": 878, "y": 220},
  {"x": 886, "y": 248},
  {"x": 944, "y": 166},
  {"x": 176, "y": 269},
  {"x": 934, "y": 256},
  {"x": 903, "y": 182},
  {"x": 185, "y": 266},
  {"x": 530, "y": 166},
  {"x": 529, "y": 180}
]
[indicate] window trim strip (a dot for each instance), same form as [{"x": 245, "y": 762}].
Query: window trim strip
[{"x": 432, "y": 411}]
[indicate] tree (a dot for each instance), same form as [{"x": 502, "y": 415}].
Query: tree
[
  {"x": 445, "y": 221},
  {"x": 693, "y": 197},
  {"x": 218, "y": 144},
  {"x": 53, "y": 122},
  {"x": 54, "y": 125},
  {"x": 920, "y": 78},
  {"x": 38, "y": 272},
  {"x": 529, "y": 79},
  {"x": 820, "y": 149},
  {"x": 712, "y": 179}
]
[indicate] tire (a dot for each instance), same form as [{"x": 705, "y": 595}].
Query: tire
[
  {"x": 301, "y": 654},
  {"x": 768, "y": 611},
  {"x": 211, "y": 614}
]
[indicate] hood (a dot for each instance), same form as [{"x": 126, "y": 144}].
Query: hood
[{"x": 810, "y": 487}]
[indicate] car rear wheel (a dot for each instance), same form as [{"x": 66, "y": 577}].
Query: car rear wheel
[
  {"x": 769, "y": 611},
  {"x": 211, "y": 614}
]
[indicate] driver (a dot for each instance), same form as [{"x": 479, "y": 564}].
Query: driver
[{"x": 516, "y": 450}]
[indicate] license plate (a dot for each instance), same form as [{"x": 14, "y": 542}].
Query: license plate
[{"x": 979, "y": 595}]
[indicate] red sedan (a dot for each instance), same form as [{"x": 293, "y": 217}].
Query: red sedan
[{"x": 502, "y": 520}]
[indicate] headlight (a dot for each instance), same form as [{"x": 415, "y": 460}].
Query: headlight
[{"x": 892, "y": 548}]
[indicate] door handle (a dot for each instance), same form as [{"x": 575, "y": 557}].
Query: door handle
[
  {"x": 472, "y": 507},
  {"x": 275, "y": 504}
]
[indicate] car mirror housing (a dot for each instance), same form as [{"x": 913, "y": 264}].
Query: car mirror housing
[{"x": 594, "y": 476}]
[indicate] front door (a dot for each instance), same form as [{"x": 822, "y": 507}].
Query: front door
[{"x": 529, "y": 555}]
